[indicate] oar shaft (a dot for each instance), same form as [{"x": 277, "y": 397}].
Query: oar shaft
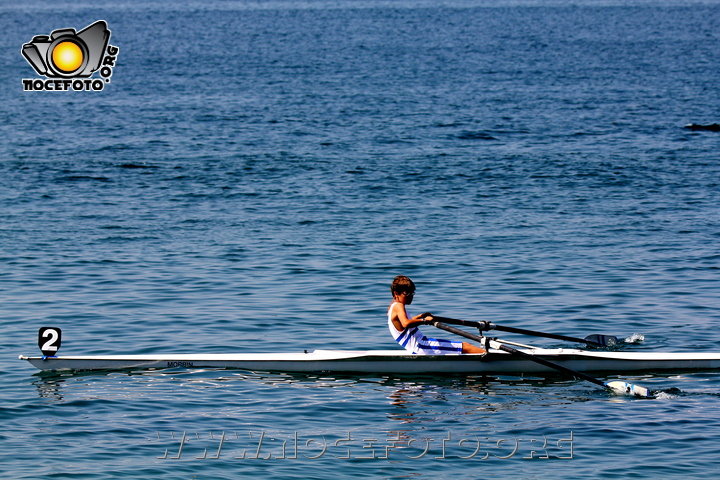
[
  {"x": 491, "y": 326},
  {"x": 556, "y": 366},
  {"x": 457, "y": 331},
  {"x": 519, "y": 353},
  {"x": 618, "y": 386},
  {"x": 522, "y": 331}
]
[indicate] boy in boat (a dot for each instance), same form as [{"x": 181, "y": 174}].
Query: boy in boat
[{"x": 405, "y": 331}]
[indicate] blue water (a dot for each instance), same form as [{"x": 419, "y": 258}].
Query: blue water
[{"x": 256, "y": 173}]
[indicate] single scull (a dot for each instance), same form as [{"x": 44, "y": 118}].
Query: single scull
[
  {"x": 500, "y": 359},
  {"x": 395, "y": 361}
]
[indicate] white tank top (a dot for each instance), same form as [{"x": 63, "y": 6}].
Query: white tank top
[{"x": 408, "y": 338}]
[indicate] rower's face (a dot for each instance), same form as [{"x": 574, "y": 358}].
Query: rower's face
[{"x": 408, "y": 297}]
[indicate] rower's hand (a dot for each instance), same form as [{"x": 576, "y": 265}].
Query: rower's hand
[{"x": 426, "y": 317}]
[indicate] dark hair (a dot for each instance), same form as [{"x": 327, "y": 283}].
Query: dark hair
[{"x": 402, "y": 284}]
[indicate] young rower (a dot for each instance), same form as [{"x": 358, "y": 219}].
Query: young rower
[{"x": 405, "y": 331}]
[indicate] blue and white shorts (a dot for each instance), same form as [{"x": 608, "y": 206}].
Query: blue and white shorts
[{"x": 437, "y": 346}]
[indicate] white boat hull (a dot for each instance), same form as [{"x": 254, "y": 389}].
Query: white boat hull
[{"x": 392, "y": 362}]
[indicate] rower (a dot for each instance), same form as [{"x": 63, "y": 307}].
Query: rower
[{"x": 405, "y": 330}]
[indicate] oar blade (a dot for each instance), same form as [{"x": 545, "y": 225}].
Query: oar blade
[
  {"x": 625, "y": 388},
  {"x": 602, "y": 340}
]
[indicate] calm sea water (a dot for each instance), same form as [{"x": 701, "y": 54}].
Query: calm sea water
[{"x": 256, "y": 173}]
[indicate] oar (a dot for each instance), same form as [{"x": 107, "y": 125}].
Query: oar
[
  {"x": 592, "y": 340},
  {"x": 616, "y": 386}
]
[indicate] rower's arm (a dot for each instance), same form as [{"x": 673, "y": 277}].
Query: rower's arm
[{"x": 401, "y": 320}]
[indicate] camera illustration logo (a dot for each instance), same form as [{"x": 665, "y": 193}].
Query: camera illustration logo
[{"x": 68, "y": 59}]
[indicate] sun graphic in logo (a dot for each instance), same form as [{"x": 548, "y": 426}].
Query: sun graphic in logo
[{"x": 67, "y": 56}]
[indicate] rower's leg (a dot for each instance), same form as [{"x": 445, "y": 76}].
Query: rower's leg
[{"x": 470, "y": 348}]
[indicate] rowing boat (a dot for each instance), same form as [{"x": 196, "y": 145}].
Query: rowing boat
[
  {"x": 394, "y": 362},
  {"x": 499, "y": 358}
]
